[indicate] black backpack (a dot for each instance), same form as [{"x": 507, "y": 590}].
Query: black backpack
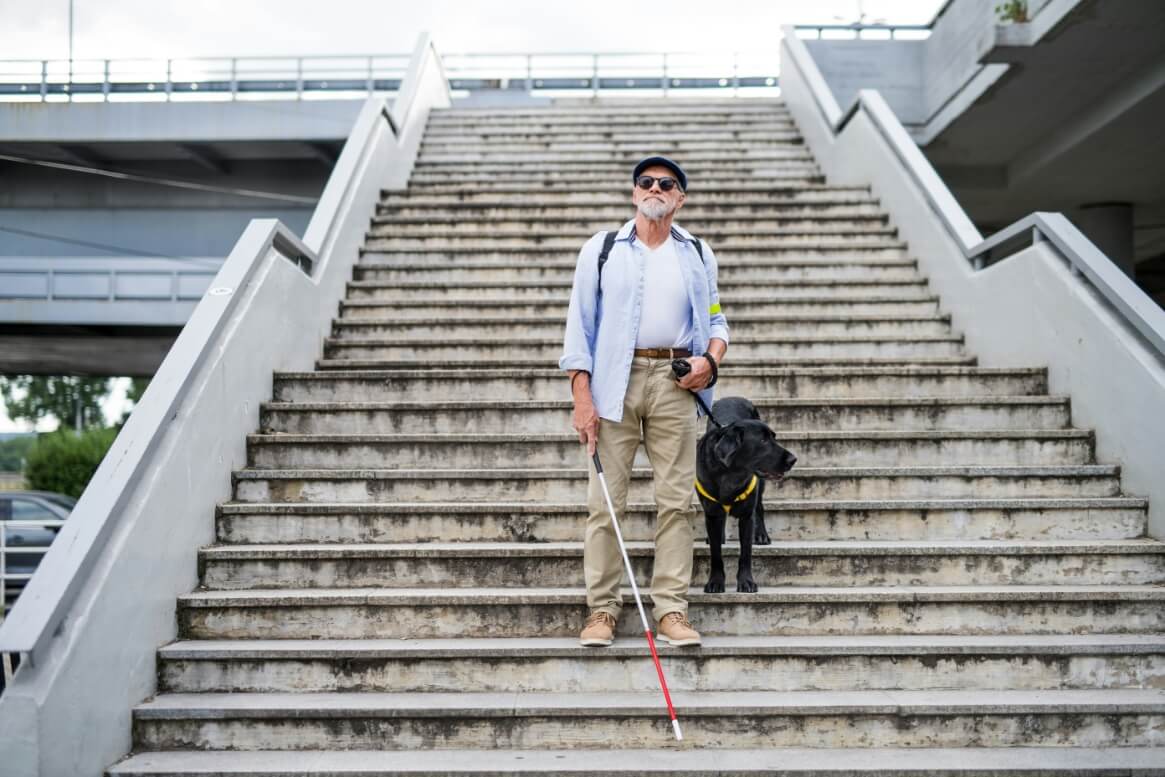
[{"x": 609, "y": 242}]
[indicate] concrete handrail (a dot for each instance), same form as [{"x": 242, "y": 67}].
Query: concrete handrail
[
  {"x": 1125, "y": 297},
  {"x": 65, "y": 568}
]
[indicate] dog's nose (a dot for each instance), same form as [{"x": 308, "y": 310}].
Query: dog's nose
[{"x": 790, "y": 460}]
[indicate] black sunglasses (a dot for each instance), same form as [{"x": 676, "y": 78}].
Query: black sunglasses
[{"x": 666, "y": 183}]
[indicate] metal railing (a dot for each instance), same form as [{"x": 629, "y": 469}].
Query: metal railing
[
  {"x": 109, "y": 279},
  {"x": 864, "y": 31},
  {"x": 1137, "y": 309},
  {"x": 232, "y": 78}
]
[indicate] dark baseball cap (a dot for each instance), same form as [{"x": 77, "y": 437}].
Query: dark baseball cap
[{"x": 651, "y": 161}]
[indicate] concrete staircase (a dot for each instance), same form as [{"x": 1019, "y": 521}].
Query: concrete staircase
[{"x": 397, "y": 583}]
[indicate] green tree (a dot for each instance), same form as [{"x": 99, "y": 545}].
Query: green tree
[
  {"x": 33, "y": 397},
  {"x": 64, "y": 462}
]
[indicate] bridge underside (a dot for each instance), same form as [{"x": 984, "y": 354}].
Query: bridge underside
[{"x": 99, "y": 351}]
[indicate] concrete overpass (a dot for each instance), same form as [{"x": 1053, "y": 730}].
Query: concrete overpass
[{"x": 1062, "y": 112}]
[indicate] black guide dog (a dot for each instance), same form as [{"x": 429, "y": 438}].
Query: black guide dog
[{"x": 737, "y": 453}]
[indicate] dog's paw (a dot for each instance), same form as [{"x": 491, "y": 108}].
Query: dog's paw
[
  {"x": 714, "y": 586},
  {"x": 761, "y": 537},
  {"x": 746, "y": 586}
]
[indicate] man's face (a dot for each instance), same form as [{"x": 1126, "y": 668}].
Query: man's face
[{"x": 655, "y": 203}]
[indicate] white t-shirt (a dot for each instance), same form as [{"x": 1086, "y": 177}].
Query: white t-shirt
[{"x": 666, "y": 319}]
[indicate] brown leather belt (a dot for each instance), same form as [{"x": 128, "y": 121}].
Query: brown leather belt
[{"x": 663, "y": 353}]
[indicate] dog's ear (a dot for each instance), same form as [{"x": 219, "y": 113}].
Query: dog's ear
[{"x": 729, "y": 443}]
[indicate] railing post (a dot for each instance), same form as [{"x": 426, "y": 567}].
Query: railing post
[
  {"x": 169, "y": 78},
  {"x": 234, "y": 78},
  {"x": 299, "y": 78},
  {"x": 529, "y": 74},
  {"x": 595, "y": 75},
  {"x": 371, "y": 80},
  {"x": 664, "y": 80},
  {"x": 44, "y": 79},
  {"x": 736, "y": 74},
  {"x": 105, "y": 82}
]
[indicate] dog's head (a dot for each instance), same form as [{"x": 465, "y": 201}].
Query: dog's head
[{"x": 751, "y": 445}]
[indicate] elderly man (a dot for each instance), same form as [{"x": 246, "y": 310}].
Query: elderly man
[{"x": 650, "y": 299}]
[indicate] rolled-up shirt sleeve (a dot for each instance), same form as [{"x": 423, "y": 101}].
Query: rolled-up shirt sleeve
[
  {"x": 582, "y": 314},
  {"x": 717, "y": 323}
]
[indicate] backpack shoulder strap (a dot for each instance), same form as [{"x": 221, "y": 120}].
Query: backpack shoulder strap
[
  {"x": 608, "y": 243},
  {"x": 699, "y": 248}
]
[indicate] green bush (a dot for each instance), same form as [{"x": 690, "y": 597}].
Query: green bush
[
  {"x": 63, "y": 462},
  {"x": 13, "y": 451}
]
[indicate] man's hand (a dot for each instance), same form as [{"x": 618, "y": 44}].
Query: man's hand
[
  {"x": 700, "y": 375},
  {"x": 585, "y": 420},
  {"x": 586, "y": 423}
]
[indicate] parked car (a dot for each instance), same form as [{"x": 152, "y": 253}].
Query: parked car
[{"x": 28, "y": 506}]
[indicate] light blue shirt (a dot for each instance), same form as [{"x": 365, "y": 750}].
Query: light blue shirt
[{"x": 601, "y": 329}]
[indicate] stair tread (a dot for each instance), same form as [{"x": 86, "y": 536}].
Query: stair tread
[
  {"x": 677, "y": 761},
  {"x": 541, "y": 507},
  {"x": 727, "y": 372},
  {"x": 1043, "y": 470},
  {"x": 688, "y": 703},
  {"x": 786, "y": 435},
  {"x": 758, "y": 401},
  {"x": 636, "y": 548},
  {"x": 766, "y": 595},
  {"x": 906, "y": 644}
]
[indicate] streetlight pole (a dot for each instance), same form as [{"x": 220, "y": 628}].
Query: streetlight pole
[{"x": 70, "y": 84}]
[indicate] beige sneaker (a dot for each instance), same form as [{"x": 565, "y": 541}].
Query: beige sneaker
[
  {"x": 675, "y": 629},
  {"x": 599, "y": 630}
]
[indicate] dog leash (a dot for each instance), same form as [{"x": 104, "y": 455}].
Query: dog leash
[{"x": 681, "y": 367}]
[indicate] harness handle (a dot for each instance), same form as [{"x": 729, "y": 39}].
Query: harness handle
[{"x": 681, "y": 368}]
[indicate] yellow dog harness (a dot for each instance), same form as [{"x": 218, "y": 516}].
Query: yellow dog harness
[{"x": 739, "y": 498}]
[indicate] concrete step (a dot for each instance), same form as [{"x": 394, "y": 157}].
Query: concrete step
[
  {"x": 590, "y": 222},
  {"x": 715, "y": 233},
  {"x": 420, "y": 307},
  {"x": 819, "y": 449},
  {"x": 820, "y": 249},
  {"x": 560, "y": 665},
  {"x": 385, "y": 613},
  {"x": 551, "y": 326},
  {"x": 628, "y": 156},
  {"x": 758, "y": 193},
  {"x": 442, "y": 204},
  {"x": 468, "y": 565},
  {"x": 714, "y": 720},
  {"x": 602, "y": 112},
  {"x": 685, "y": 762},
  {"x": 733, "y": 237},
  {"x": 550, "y": 383},
  {"x": 677, "y": 146},
  {"x": 563, "y": 270},
  {"x": 538, "y": 416},
  {"x": 549, "y": 349},
  {"x": 616, "y": 179},
  {"x": 836, "y": 287},
  {"x": 557, "y": 247},
  {"x": 817, "y": 519},
  {"x": 366, "y": 485},
  {"x": 702, "y": 174},
  {"x": 485, "y": 133}
]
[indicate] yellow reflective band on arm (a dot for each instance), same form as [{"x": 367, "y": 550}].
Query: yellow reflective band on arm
[{"x": 714, "y": 309}]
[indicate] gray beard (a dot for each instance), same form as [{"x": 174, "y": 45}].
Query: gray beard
[{"x": 654, "y": 210}]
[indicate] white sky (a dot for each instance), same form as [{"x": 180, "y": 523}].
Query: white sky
[
  {"x": 122, "y": 29},
  {"x": 117, "y": 29}
]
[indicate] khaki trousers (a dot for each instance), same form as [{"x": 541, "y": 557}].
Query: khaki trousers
[{"x": 665, "y": 414}]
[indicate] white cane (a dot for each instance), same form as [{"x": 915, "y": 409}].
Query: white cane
[{"x": 671, "y": 711}]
